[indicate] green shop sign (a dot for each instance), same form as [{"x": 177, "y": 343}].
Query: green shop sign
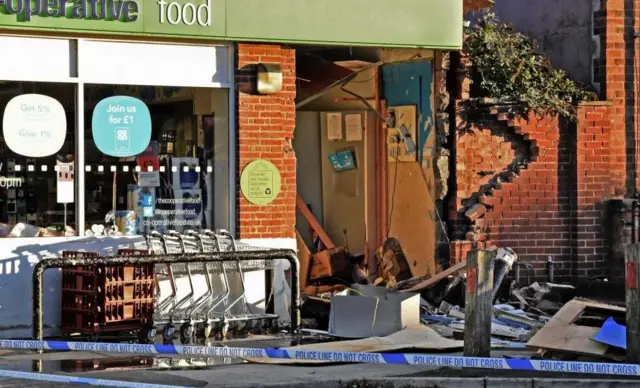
[{"x": 425, "y": 23}]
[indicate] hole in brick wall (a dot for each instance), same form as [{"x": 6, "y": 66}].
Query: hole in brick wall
[{"x": 246, "y": 79}]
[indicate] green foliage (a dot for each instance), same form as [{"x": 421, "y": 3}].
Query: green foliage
[{"x": 510, "y": 69}]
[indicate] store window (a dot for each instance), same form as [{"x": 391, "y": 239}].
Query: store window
[
  {"x": 156, "y": 158},
  {"x": 37, "y": 159},
  {"x": 154, "y": 151}
]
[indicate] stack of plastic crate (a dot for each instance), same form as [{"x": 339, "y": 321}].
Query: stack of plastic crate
[{"x": 103, "y": 298}]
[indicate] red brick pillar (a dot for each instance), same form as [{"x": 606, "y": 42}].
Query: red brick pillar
[
  {"x": 265, "y": 130},
  {"x": 614, "y": 23},
  {"x": 594, "y": 178}
]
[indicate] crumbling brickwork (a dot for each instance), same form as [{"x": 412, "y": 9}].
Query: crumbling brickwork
[
  {"x": 265, "y": 130},
  {"x": 538, "y": 186},
  {"x": 535, "y": 184}
]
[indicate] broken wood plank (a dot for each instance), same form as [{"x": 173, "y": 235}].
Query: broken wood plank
[
  {"x": 313, "y": 223},
  {"x": 438, "y": 277},
  {"x": 561, "y": 334}
]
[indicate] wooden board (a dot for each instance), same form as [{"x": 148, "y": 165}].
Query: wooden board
[
  {"x": 561, "y": 334},
  {"x": 437, "y": 278},
  {"x": 412, "y": 218}
]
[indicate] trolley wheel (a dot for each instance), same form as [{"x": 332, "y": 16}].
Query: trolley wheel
[
  {"x": 208, "y": 330},
  {"x": 186, "y": 333},
  {"x": 168, "y": 332},
  {"x": 147, "y": 336},
  {"x": 224, "y": 330}
]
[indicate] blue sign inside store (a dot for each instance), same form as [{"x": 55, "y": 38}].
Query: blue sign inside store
[
  {"x": 121, "y": 126},
  {"x": 343, "y": 160}
]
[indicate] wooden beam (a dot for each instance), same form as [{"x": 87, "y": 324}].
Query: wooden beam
[
  {"x": 313, "y": 223},
  {"x": 478, "y": 304},
  {"x": 304, "y": 256},
  {"x": 437, "y": 278}
]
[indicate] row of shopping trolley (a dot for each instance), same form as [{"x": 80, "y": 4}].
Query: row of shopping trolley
[{"x": 174, "y": 304}]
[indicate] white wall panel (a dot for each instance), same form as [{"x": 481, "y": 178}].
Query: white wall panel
[
  {"x": 153, "y": 64},
  {"x": 36, "y": 59}
]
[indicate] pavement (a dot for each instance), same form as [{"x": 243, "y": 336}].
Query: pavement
[{"x": 232, "y": 373}]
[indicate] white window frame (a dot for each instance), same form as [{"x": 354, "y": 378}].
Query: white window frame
[{"x": 77, "y": 79}]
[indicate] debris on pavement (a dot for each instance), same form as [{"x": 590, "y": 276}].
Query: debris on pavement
[
  {"x": 418, "y": 338},
  {"x": 429, "y": 312}
]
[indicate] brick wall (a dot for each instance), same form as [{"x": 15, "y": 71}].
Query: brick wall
[
  {"x": 534, "y": 184},
  {"x": 593, "y": 187},
  {"x": 265, "y": 130},
  {"x": 615, "y": 71}
]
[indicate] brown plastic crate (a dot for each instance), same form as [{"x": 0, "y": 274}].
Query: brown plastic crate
[
  {"x": 118, "y": 312},
  {"x": 97, "y": 298}
]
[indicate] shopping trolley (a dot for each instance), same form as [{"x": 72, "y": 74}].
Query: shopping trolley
[{"x": 212, "y": 313}]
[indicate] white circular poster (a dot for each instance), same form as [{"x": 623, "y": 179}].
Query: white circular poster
[{"x": 34, "y": 125}]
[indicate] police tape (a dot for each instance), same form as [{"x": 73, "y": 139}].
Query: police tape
[
  {"x": 435, "y": 360},
  {"x": 78, "y": 380}
]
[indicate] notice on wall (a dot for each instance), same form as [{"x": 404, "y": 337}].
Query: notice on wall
[
  {"x": 121, "y": 126},
  {"x": 353, "y": 124},
  {"x": 260, "y": 182},
  {"x": 334, "y": 126},
  {"x": 34, "y": 125}
]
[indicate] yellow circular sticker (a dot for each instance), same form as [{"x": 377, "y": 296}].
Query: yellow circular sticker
[{"x": 260, "y": 182}]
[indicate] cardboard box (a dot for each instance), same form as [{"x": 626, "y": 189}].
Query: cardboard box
[
  {"x": 367, "y": 311},
  {"x": 331, "y": 263}
]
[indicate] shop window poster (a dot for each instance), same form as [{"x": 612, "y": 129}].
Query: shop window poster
[
  {"x": 34, "y": 125},
  {"x": 121, "y": 126}
]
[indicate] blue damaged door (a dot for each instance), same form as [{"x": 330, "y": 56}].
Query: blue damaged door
[{"x": 410, "y": 184}]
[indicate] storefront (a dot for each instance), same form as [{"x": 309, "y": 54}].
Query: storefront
[{"x": 122, "y": 117}]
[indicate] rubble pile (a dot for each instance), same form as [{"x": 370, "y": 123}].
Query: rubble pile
[{"x": 548, "y": 319}]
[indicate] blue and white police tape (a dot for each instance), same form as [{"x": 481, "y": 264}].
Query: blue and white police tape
[
  {"x": 335, "y": 357},
  {"x": 78, "y": 380}
]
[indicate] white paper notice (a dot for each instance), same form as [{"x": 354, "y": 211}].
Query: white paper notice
[
  {"x": 65, "y": 182},
  {"x": 354, "y": 127},
  {"x": 334, "y": 126}
]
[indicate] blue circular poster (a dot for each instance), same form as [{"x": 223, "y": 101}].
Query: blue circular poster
[{"x": 121, "y": 126}]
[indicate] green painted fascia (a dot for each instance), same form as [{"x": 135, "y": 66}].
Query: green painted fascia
[
  {"x": 435, "y": 24},
  {"x": 414, "y": 23}
]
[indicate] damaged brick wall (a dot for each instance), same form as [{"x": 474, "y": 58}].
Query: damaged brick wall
[
  {"x": 265, "y": 130},
  {"x": 535, "y": 184}
]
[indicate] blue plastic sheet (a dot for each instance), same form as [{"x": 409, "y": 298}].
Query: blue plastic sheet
[{"x": 612, "y": 334}]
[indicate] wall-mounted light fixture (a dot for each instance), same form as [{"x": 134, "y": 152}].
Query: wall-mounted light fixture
[{"x": 269, "y": 78}]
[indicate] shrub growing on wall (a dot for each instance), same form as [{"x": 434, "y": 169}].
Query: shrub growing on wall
[{"x": 509, "y": 68}]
